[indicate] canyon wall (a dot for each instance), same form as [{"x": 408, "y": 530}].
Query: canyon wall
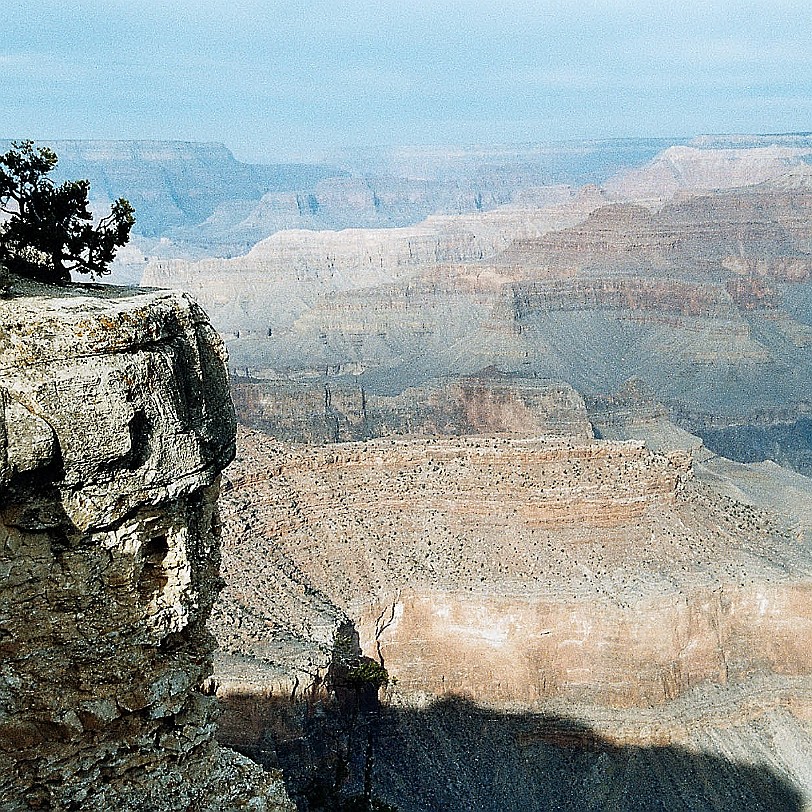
[
  {"x": 548, "y": 609},
  {"x": 673, "y": 273},
  {"x": 285, "y": 274},
  {"x": 331, "y": 411},
  {"x": 524, "y": 570},
  {"x": 195, "y": 199},
  {"x": 706, "y": 297},
  {"x": 115, "y": 423}
]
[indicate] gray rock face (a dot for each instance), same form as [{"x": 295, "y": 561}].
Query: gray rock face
[
  {"x": 320, "y": 411},
  {"x": 115, "y": 422}
]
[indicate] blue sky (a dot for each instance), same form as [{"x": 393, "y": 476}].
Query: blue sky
[{"x": 296, "y": 79}]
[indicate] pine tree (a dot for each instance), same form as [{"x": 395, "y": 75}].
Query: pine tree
[{"x": 48, "y": 231}]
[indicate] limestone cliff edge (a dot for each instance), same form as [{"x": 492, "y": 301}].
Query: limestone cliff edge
[{"x": 115, "y": 423}]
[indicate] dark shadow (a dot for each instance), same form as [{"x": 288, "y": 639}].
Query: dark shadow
[
  {"x": 788, "y": 444},
  {"x": 454, "y": 755}
]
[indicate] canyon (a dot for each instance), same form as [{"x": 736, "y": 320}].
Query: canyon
[
  {"x": 549, "y": 609},
  {"x": 196, "y": 200},
  {"x": 511, "y": 491},
  {"x": 518, "y": 517},
  {"x": 706, "y": 300}
]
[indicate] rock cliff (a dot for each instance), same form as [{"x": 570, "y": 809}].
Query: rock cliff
[
  {"x": 115, "y": 422},
  {"x": 619, "y": 623},
  {"x": 491, "y": 567},
  {"x": 333, "y": 410}
]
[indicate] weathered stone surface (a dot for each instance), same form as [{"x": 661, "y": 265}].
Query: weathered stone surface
[{"x": 115, "y": 424}]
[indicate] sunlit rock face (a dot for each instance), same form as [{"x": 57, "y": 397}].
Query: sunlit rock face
[
  {"x": 116, "y": 423},
  {"x": 519, "y": 571}
]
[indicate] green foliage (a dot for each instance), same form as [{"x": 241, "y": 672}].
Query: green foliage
[
  {"x": 367, "y": 672},
  {"x": 49, "y": 231}
]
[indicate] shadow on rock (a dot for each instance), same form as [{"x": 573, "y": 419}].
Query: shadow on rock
[{"x": 454, "y": 755}]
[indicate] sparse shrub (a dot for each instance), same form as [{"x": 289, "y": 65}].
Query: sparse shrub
[{"x": 367, "y": 673}]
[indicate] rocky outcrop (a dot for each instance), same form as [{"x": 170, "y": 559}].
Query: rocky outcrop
[{"x": 115, "y": 422}]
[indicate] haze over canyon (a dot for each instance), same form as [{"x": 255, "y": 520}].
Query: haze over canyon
[{"x": 520, "y": 515}]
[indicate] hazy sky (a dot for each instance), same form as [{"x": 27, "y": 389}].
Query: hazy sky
[{"x": 290, "y": 79}]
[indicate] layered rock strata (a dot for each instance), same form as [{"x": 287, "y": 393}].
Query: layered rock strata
[
  {"x": 707, "y": 299},
  {"x": 761, "y": 231},
  {"x": 599, "y": 606},
  {"x": 115, "y": 422},
  {"x": 283, "y": 275},
  {"x": 523, "y": 570},
  {"x": 335, "y": 410}
]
